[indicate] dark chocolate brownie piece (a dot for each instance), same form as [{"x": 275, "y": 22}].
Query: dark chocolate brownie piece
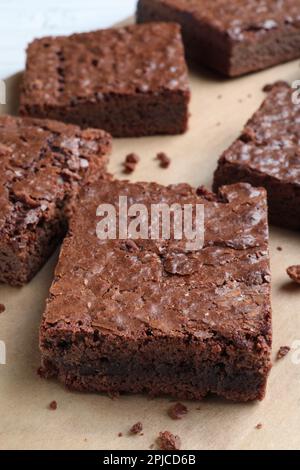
[
  {"x": 233, "y": 37},
  {"x": 268, "y": 154},
  {"x": 130, "y": 81},
  {"x": 44, "y": 163},
  {"x": 119, "y": 319}
]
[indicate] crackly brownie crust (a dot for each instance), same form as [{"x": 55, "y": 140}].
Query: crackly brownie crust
[
  {"x": 44, "y": 163},
  {"x": 233, "y": 37},
  {"x": 130, "y": 81},
  {"x": 268, "y": 154},
  {"x": 151, "y": 317}
]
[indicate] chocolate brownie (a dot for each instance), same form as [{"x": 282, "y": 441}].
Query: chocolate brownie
[
  {"x": 44, "y": 163},
  {"x": 130, "y": 81},
  {"x": 232, "y": 37},
  {"x": 267, "y": 153},
  {"x": 150, "y": 316}
]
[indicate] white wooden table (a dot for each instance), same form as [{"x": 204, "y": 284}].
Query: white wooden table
[{"x": 22, "y": 21}]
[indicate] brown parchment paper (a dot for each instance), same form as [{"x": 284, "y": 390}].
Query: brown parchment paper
[{"x": 219, "y": 109}]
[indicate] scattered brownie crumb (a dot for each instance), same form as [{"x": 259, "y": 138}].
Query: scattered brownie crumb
[
  {"x": 128, "y": 167},
  {"x": 269, "y": 86},
  {"x": 168, "y": 441},
  {"x": 240, "y": 100},
  {"x": 177, "y": 411},
  {"x": 130, "y": 163},
  {"x": 218, "y": 124},
  {"x": 279, "y": 248},
  {"x": 283, "y": 351},
  {"x": 132, "y": 158},
  {"x": 198, "y": 408},
  {"x": 294, "y": 273},
  {"x": 164, "y": 160},
  {"x": 249, "y": 95},
  {"x": 219, "y": 97},
  {"x": 120, "y": 434},
  {"x": 2, "y": 308},
  {"x": 136, "y": 428},
  {"x": 53, "y": 405},
  {"x": 151, "y": 446},
  {"x": 259, "y": 426}
]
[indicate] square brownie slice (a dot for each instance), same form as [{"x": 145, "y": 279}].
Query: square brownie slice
[
  {"x": 150, "y": 316},
  {"x": 267, "y": 154},
  {"x": 130, "y": 81},
  {"x": 232, "y": 37},
  {"x": 44, "y": 163}
]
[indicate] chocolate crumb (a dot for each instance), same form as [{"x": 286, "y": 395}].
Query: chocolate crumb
[
  {"x": 2, "y": 308},
  {"x": 219, "y": 97},
  {"x": 151, "y": 446},
  {"x": 177, "y": 411},
  {"x": 136, "y": 428},
  {"x": 279, "y": 248},
  {"x": 120, "y": 434},
  {"x": 259, "y": 426},
  {"x": 269, "y": 86},
  {"x": 128, "y": 167},
  {"x": 132, "y": 158},
  {"x": 130, "y": 163},
  {"x": 168, "y": 441},
  {"x": 283, "y": 351},
  {"x": 53, "y": 405},
  {"x": 164, "y": 160},
  {"x": 294, "y": 273}
]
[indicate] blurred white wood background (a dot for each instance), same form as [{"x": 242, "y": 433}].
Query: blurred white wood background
[{"x": 23, "y": 20}]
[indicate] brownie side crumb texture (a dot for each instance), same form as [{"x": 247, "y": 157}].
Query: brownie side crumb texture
[
  {"x": 45, "y": 163},
  {"x": 267, "y": 154},
  {"x": 133, "y": 80},
  {"x": 168, "y": 441},
  {"x": 294, "y": 273},
  {"x": 282, "y": 352},
  {"x": 232, "y": 37},
  {"x": 153, "y": 317}
]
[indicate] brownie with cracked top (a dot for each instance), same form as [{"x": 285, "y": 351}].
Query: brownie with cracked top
[
  {"x": 130, "y": 81},
  {"x": 232, "y": 37},
  {"x": 150, "y": 316},
  {"x": 267, "y": 154},
  {"x": 44, "y": 163}
]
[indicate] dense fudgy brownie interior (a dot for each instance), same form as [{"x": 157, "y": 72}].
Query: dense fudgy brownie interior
[{"x": 44, "y": 163}]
